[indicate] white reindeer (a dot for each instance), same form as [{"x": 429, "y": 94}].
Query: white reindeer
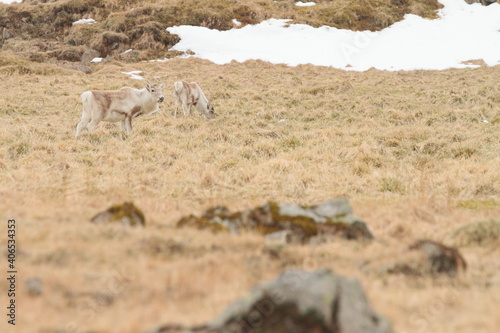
[
  {"x": 119, "y": 105},
  {"x": 189, "y": 95}
]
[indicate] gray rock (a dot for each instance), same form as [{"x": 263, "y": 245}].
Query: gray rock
[
  {"x": 279, "y": 237},
  {"x": 34, "y": 286},
  {"x": 84, "y": 69},
  {"x": 482, "y": 2},
  {"x": 88, "y": 55},
  {"x": 296, "y": 210},
  {"x": 6, "y": 34},
  {"x": 334, "y": 209},
  {"x": 332, "y": 218},
  {"x": 302, "y": 302}
]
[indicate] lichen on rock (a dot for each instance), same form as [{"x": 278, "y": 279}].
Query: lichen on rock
[{"x": 333, "y": 217}]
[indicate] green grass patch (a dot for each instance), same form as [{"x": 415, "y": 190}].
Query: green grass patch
[{"x": 478, "y": 204}]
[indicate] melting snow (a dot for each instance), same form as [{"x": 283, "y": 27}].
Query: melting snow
[
  {"x": 133, "y": 75},
  {"x": 84, "y": 21},
  {"x": 305, "y": 4},
  {"x": 463, "y": 32}
]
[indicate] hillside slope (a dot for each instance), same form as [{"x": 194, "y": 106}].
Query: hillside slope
[{"x": 41, "y": 30}]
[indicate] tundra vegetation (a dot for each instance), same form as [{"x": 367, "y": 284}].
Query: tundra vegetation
[
  {"x": 417, "y": 154},
  {"x": 410, "y": 150}
]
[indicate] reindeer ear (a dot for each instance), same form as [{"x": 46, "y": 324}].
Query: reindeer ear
[
  {"x": 148, "y": 86},
  {"x": 162, "y": 85}
]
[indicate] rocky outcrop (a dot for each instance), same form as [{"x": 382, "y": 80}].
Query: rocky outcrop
[
  {"x": 332, "y": 218},
  {"x": 126, "y": 214},
  {"x": 299, "y": 302}
]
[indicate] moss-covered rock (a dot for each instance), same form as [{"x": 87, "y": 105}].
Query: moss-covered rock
[
  {"x": 333, "y": 218},
  {"x": 126, "y": 214}
]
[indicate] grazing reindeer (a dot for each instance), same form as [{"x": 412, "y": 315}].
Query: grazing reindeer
[
  {"x": 119, "y": 105},
  {"x": 189, "y": 95}
]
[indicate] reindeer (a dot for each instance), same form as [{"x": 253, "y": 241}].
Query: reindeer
[
  {"x": 119, "y": 105},
  {"x": 189, "y": 95}
]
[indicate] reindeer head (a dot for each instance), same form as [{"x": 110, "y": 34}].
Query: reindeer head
[
  {"x": 210, "y": 113},
  {"x": 155, "y": 89}
]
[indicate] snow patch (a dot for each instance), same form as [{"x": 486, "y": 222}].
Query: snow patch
[
  {"x": 133, "y": 75},
  {"x": 8, "y": 2},
  {"x": 85, "y": 21},
  {"x": 236, "y": 22},
  {"x": 96, "y": 60},
  {"x": 463, "y": 32},
  {"x": 305, "y": 4}
]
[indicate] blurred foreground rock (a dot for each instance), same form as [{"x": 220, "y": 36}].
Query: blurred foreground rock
[
  {"x": 423, "y": 258},
  {"x": 126, "y": 214},
  {"x": 333, "y": 218},
  {"x": 299, "y": 302}
]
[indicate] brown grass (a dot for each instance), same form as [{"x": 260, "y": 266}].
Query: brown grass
[{"x": 408, "y": 148}]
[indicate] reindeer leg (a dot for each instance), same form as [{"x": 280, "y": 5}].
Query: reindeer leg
[
  {"x": 128, "y": 124},
  {"x": 81, "y": 125},
  {"x": 93, "y": 124}
]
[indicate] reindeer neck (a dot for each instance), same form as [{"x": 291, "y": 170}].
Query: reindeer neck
[{"x": 146, "y": 102}]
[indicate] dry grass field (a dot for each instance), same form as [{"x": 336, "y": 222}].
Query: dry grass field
[{"x": 410, "y": 150}]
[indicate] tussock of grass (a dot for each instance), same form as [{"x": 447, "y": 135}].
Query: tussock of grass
[
  {"x": 478, "y": 203},
  {"x": 479, "y": 233}
]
